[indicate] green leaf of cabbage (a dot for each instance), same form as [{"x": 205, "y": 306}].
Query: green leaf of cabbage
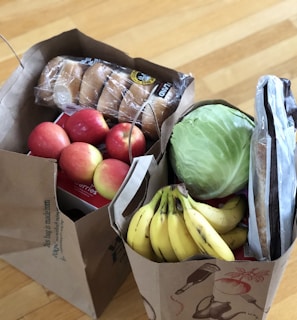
[{"x": 209, "y": 150}]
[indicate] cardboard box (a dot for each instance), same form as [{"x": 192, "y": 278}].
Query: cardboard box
[
  {"x": 75, "y": 199},
  {"x": 77, "y": 192},
  {"x": 82, "y": 261}
]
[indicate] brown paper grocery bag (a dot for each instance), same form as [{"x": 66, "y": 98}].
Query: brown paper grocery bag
[
  {"x": 82, "y": 260},
  {"x": 197, "y": 289}
]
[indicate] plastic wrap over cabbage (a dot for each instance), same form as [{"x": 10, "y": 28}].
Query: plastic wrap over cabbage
[{"x": 209, "y": 150}]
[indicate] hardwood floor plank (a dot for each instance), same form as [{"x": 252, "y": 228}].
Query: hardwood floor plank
[
  {"x": 11, "y": 280},
  {"x": 57, "y": 309},
  {"x": 226, "y": 36},
  {"x": 21, "y": 43},
  {"x": 244, "y": 48},
  {"x": 23, "y": 301},
  {"x": 263, "y": 60}
]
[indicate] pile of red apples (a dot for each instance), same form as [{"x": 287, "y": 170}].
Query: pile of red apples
[{"x": 75, "y": 146}]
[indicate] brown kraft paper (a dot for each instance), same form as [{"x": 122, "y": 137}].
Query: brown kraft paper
[
  {"x": 197, "y": 289},
  {"x": 83, "y": 261}
]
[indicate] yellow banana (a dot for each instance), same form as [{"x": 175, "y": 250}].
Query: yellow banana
[
  {"x": 236, "y": 238},
  {"x": 225, "y": 218},
  {"x": 205, "y": 236},
  {"x": 138, "y": 236},
  {"x": 159, "y": 233},
  {"x": 180, "y": 238}
]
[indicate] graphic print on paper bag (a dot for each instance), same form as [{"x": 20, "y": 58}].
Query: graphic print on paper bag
[
  {"x": 53, "y": 231},
  {"x": 224, "y": 303}
]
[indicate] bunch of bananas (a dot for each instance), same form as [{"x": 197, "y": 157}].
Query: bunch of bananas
[{"x": 174, "y": 227}]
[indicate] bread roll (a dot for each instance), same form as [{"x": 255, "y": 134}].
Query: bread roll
[
  {"x": 160, "y": 106},
  {"x": 133, "y": 102},
  {"x": 45, "y": 86},
  {"x": 67, "y": 85},
  {"x": 92, "y": 84},
  {"x": 113, "y": 92}
]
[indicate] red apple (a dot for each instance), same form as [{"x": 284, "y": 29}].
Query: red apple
[
  {"x": 118, "y": 142},
  {"x": 87, "y": 125},
  {"x": 47, "y": 140},
  {"x": 79, "y": 161},
  {"x": 109, "y": 176}
]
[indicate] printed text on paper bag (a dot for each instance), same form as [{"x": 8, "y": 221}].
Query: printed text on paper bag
[{"x": 53, "y": 231}]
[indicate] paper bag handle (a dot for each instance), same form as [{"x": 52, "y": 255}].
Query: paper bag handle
[
  {"x": 132, "y": 193},
  {"x": 12, "y": 49},
  {"x": 185, "y": 103}
]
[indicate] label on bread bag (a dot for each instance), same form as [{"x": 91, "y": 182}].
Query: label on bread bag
[
  {"x": 89, "y": 61},
  {"x": 141, "y": 78},
  {"x": 162, "y": 89}
]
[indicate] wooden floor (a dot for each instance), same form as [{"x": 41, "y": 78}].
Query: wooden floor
[{"x": 226, "y": 45}]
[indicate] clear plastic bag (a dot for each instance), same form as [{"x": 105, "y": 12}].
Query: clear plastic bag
[
  {"x": 272, "y": 177},
  {"x": 122, "y": 94}
]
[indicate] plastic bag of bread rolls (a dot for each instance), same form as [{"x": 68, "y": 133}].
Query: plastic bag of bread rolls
[
  {"x": 120, "y": 93},
  {"x": 69, "y": 81}
]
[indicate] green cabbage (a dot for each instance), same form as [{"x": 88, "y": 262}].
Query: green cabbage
[{"x": 209, "y": 151}]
